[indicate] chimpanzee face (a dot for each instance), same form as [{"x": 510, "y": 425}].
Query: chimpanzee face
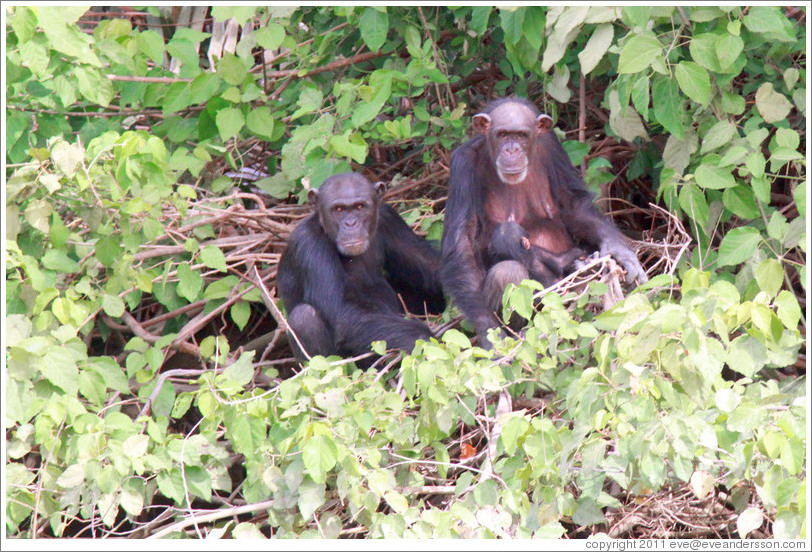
[
  {"x": 348, "y": 211},
  {"x": 511, "y": 130}
]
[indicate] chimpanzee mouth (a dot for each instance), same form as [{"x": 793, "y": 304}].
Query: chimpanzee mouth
[
  {"x": 512, "y": 175},
  {"x": 353, "y": 248}
]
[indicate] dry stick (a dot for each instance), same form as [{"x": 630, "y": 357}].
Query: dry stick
[
  {"x": 212, "y": 516},
  {"x": 138, "y": 330},
  {"x": 275, "y": 312},
  {"x": 178, "y": 372},
  {"x": 133, "y": 78},
  {"x": 582, "y": 117},
  {"x": 436, "y": 57},
  {"x": 332, "y": 66},
  {"x": 193, "y": 325}
]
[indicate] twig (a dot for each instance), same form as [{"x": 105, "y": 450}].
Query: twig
[
  {"x": 134, "y": 78},
  {"x": 332, "y": 66},
  {"x": 275, "y": 312},
  {"x": 212, "y": 516}
]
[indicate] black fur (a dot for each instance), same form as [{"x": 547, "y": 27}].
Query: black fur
[{"x": 355, "y": 298}]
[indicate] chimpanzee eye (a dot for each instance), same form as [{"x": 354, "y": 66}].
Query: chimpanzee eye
[
  {"x": 338, "y": 208},
  {"x": 501, "y": 134},
  {"x": 359, "y": 206}
]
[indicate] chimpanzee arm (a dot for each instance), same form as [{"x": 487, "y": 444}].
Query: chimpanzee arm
[
  {"x": 412, "y": 264},
  {"x": 462, "y": 273},
  {"x": 586, "y": 223}
]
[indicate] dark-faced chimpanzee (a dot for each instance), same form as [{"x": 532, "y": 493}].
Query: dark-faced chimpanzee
[
  {"x": 344, "y": 267},
  {"x": 516, "y": 172}
]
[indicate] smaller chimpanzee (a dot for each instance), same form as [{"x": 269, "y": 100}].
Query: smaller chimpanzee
[
  {"x": 345, "y": 266},
  {"x": 511, "y": 242}
]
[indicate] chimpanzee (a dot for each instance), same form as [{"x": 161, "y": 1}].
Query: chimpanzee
[
  {"x": 511, "y": 242},
  {"x": 516, "y": 170},
  {"x": 344, "y": 267}
]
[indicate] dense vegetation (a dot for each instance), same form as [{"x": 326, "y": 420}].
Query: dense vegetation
[{"x": 157, "y": 160}]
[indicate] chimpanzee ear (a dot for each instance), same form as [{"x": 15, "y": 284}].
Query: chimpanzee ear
[
  {"x": 313, "y": 196},
  {"x": 545, "y": 123},
  {"x": 481, "y": 123},
  {"x": 380, "y": 188}
]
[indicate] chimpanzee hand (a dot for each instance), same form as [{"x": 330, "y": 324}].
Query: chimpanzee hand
[{"x": 627, "y": 259}]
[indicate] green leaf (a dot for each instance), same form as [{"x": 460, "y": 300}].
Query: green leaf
[
  {"x": 728, "y": 48},
  {"x": 310, "y": 100},
  {"x": 694, "y": 81},
  {"x": 772, "y": 105},
  {"x": 770, "y": 276},
  {"x": 271, "y": 36},
  {"x": 241, "y": 14},
  {"x": 113, "y": 305},
  {"x": 94, "y": 85},
  {"x": 151, "y": 44},
  {"x": 319, "y": 456},
  {"x": 170, "y": 483},
  {"x": 67, "y": 157},
  {"x": 755, "y": 163},
  {"x": 788, "y": 310},
  {"x": 59, "y": 367},
  {"x": 769, "y": 20},
  {"x": 717, "y": 136},
  {"x": 703, "y": 51},
  {"x": 381, "y": 83},
  {"x": 702, "y": 482},
  {"x": 213, "y": 257},
  {"x": 136, "y": 446},
  {"x": 624, "y": 121},
  {"x": 229, "y": 121},
  {"x": 741, "y": 201},
  {"x": 514, "y": 428},
  {"x": 638, "y": 53},
  {"x": 479, "y": 19},
  {"x": 198, "y": 481},
  {"x": 108, "y": 249},
  {"x": 311, "y": 497},
  {"x": 714, "y": 177},
  {"x": 667, "y": 102},
  {"x": 738, "y": 245},
  {"x": 260, "y": 122},
  {"x": 344, "y": 148},
  {"x": 132, "y": 496},
  {"x": 278, "y": 185},
  {"x": 485, "y": 493},
  {"x": 397, "y": 501},
  {"x": 240, "y": 371},
  {"x": 72, "y": 477},
  {"x": 24, "y": 23},
  {"x": 512, "y": 21},
  {"x": 111, "y": 372},
  {"x": 587, "y": 513},
  {"x": 374, "y": 27},
  {"x": 240, "y": 313},
  {"x": 232, "y": 69},
  {"x": 56, "y": 259},
  {"x": 748, "y": 521},
  {"x": 190, "y": 284},
  {"x": 177, "y": 97}
]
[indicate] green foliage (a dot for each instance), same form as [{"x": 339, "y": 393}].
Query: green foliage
[{"x": 673, "y": 386}]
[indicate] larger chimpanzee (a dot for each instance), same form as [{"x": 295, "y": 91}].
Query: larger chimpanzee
[
  {"x": 516, "y": 179},
  {"x": 346, "y": 264}
]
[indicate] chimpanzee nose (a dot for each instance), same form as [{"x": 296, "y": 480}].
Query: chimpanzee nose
[
  {"x": 351, "y": 222},
  {"x": 512, "y": 149}
]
